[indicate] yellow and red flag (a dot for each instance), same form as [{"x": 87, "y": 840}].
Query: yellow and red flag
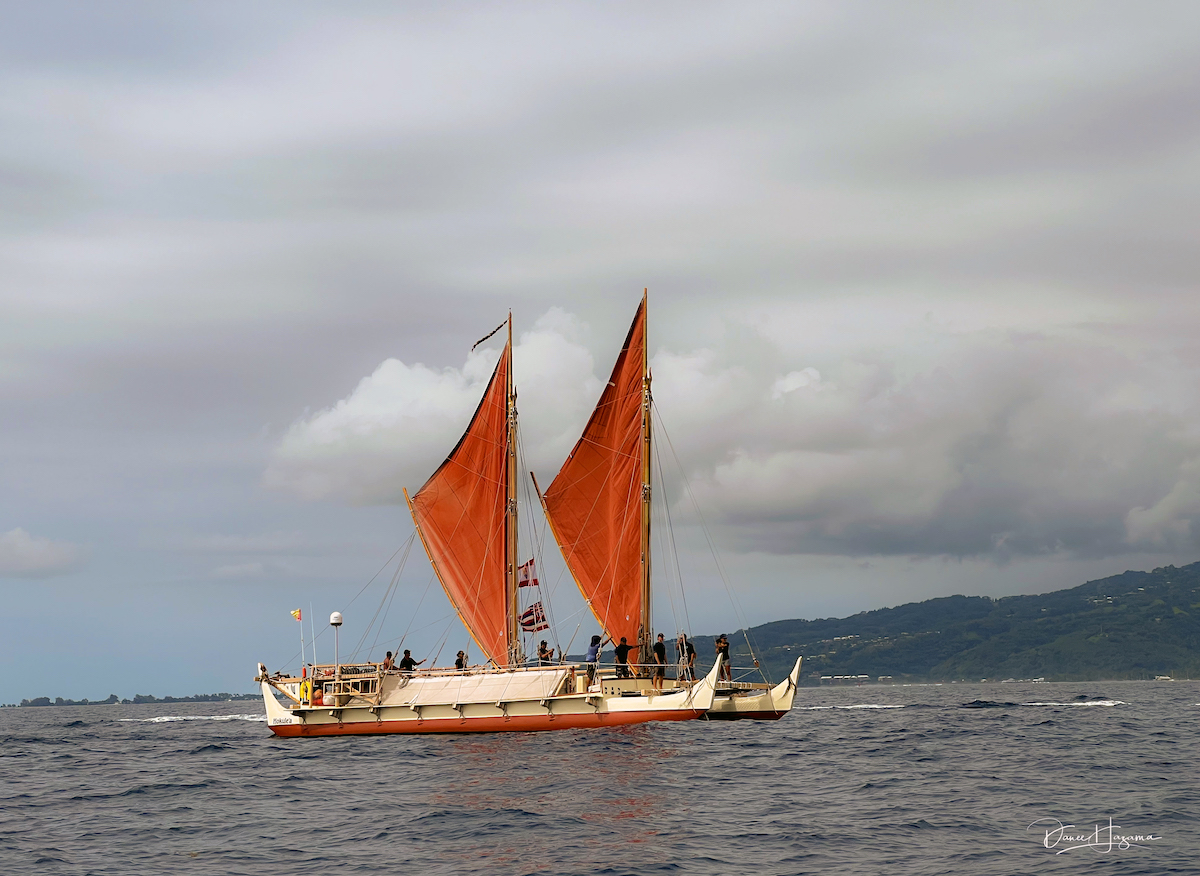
[{"x": 296, "y": 614}]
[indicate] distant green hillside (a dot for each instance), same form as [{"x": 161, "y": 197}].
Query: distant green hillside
[{"x": 1134, "y": 625}]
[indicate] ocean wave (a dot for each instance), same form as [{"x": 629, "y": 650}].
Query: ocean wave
[
  {"x": 1078, "y": 701},
  {"x": 167, "y": 719},
  {"x": 856, "y": 706}
]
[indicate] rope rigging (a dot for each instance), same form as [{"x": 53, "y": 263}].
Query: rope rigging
[{"x": 712, "y": 546}]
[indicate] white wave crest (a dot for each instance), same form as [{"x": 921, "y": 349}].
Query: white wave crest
[
  {"x": 858, "y": 706},
  {"x": 1082, "y": 703}
]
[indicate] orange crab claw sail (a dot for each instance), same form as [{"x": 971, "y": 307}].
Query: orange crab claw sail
[
  {"x": 463, "y": 516},
  {"x": 597, "y": 505}
]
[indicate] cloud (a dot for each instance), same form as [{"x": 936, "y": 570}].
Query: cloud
[
  {"x": 795, "y": 380},
  {"x": 1010, "y": 445},
  {"x": 399, "y": 423},
  {"x": 1174, "y": 520},
  {"x": 25, "y": 556},
  {"x": 982, "y": 443}
]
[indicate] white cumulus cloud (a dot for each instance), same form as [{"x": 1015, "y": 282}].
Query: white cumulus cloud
[
  {"x": 26, "y": 556},
  {"x": 399, "y": 423},
  {"x": 795, "y": 380}
]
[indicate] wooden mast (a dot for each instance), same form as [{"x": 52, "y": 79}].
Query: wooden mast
[
  {"x": 510, "y": 512},
  {"x": 644, "y": 629}
]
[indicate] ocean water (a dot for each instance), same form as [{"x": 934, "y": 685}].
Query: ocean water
[{"x": 867, "y": 780}]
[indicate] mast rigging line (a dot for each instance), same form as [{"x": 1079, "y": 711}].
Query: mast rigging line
[
  {"x": 356, "y": 595},
  {"x": 390, "y": 591},
  {"x": 400, "y": 641},
  {"x": 383, "y": 621},
  {"x": 669, "y": 547},
  {"x": 739, "y": 614},
  {"x": 536, "y": 544}
]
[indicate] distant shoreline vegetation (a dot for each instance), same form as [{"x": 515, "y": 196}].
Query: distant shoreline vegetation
[{"x": 139, "y": 699}]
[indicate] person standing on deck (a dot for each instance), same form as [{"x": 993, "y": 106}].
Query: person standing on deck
[
  {"x": 460, "y": 662},
  {"x": 593, "y": 657},
  {"x": 722, "y": 646},
  {"x": 686, "y": 654},
  {"x": 660, "y": 662},
  {"x": 622, "y": 651},
  {"x": 407, "y": 664},
  {"x": 545, "y": 655},
  {"x": 388, "y": 663}
]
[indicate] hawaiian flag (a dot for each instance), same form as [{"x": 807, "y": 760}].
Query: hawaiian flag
[
  {"x": 527, "y": 575},
  {"x": 296, "y": 614},
  {"x": 534, "y": 619}
]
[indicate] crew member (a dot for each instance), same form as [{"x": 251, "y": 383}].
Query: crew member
[
  {"x": 622, "y": 651},
  {"x": 592, "y": 658},
  {"x": 660, "y": 662},
  {"x": 722, "y": 646},
  {"x": 407, "y": 664}
]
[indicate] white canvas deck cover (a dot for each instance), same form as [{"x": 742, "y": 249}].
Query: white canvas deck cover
[{"x": 487, "y": 687}]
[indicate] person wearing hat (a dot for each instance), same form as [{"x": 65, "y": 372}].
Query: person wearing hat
[
  {"x": 593, "y": 656},
  {"x": 407, "y": 664},
  {"x": 722, "y": 646},
  {"x": 545, "y": 655},
  {"x": 460, "y": 662}
]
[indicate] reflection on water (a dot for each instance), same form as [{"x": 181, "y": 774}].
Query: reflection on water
[{"x": 598, "y": 786}]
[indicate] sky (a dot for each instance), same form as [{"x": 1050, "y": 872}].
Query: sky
[{"x": 922, "y": 307}]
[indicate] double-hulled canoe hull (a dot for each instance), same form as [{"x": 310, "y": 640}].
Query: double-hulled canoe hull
[
  {"x": 768, "y": 705},
  {"x": 483, "y": 702}
]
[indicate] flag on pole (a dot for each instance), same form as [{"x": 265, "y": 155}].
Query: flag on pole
[
  {"x": 534, "y": 619},
  {"x": 527, "y": 575},
  {"x": 296, "y": 614}
]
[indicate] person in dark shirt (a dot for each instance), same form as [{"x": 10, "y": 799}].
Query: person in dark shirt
[
  {"x": 722, "y": 646},
  {"x": 686, "y": 652},
  {"x": 460, "y": 662},
  {"x": 593, "y": 656},
  {"x": 407, "y": 664},
  {"x": 622, "y": 651},
  {"x": 660, "y": 662},
  {"x": 545, "y": 655}
]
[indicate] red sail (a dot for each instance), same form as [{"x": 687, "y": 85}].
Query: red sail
[
  {"x": 594, "y": 505},
  {"x": 460, "y": 515}
]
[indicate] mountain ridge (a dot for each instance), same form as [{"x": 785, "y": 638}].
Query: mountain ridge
[{"x": 1127, "y": 626}]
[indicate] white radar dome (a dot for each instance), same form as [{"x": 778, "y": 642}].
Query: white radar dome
[{"x": 335, "y": 619}]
